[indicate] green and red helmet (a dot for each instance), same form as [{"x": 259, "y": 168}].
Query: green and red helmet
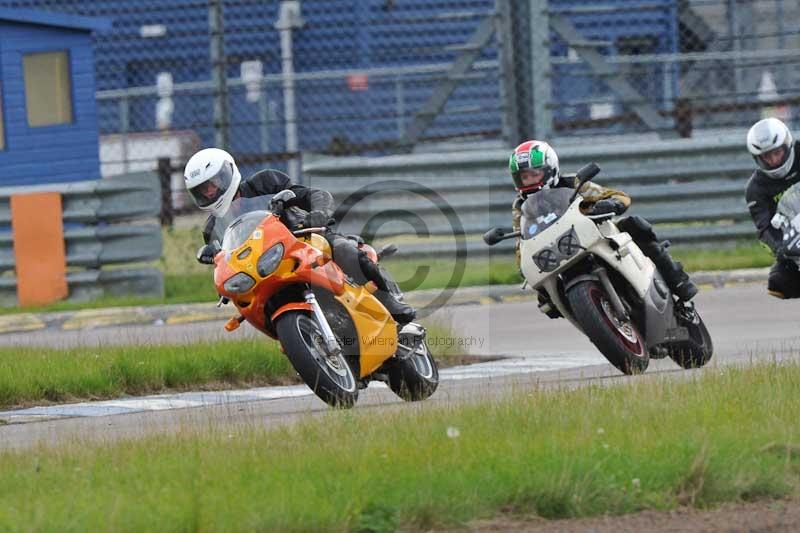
[{"x": 533, "y": 155}]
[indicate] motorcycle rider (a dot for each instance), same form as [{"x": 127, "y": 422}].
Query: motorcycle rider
[
  {"x": 534, "y": 166},
  {"x": 214, "y": 182},
  {"x": 774, "y": 150}
]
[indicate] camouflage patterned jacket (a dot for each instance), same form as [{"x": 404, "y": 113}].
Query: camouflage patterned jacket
[{"x": 591, "y": 193}]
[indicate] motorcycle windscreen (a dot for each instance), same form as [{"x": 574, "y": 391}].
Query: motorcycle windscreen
[
  {"x": 543, "y": 209},
  {"x": 789, "y": 205},
  {"x": 234, "y": 227}
]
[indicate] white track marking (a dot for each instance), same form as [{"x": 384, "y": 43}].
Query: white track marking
[{"x": 162, "y": 402}]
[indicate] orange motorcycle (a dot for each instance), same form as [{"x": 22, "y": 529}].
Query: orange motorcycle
[{"x": 336, "y": 334}]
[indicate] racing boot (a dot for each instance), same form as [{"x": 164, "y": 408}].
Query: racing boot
[
  {"x": 672, "y": 271},
  {"x": 389, "y": 298},
  {"x": 400, "y": 311}
]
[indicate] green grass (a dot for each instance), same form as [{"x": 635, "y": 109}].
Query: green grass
[
  {"x": 433, "y": 273},
  {"x": 31, "y": 376},
  {"x": 35, "y": 375},
  {"x": 727, "y": 435},
  {"x": 743, "y": 255}
]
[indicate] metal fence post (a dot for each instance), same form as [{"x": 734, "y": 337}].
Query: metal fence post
[
  {"x": 508, "y": 93},
  {"x": 683, "y": 116},
  {"x": 540, "y": 68},
  {"x": 736, "y": 46},
  {"x": 400, "y": 106},
  {"x": 125, "y": 122},
  {"x": 219, "y": 74},
  {"x": 167, "y": 214},
  {"x": 263, "y": 116},
  {"x": 289, "y": 19}
]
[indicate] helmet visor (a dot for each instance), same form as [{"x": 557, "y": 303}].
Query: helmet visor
[
  {"x": 774, "y": 158},
  {"x": 211, "y": 190},
  {"x": 530, "y": 179}
]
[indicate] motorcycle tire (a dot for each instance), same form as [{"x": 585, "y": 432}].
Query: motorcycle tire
[
  {"x": 697, "y": 351},
  {"x": 415, "y": 377},
  {"x": 329, "y": 376},
  {"x": 617, "y": 339}
]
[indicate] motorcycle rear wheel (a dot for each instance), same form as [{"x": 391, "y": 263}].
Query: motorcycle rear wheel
[
  {"x": 697, "y": 351},
  {"x": 618, "y": 339},
  {"x": 328, "y": 375},
  {"x": 414, "y": 377}
]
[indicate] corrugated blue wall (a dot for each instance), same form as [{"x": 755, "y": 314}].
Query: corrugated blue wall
[{"x": 47, "y": 154}]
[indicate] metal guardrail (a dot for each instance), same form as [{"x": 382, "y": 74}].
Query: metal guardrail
[
  {"x": 105, "y": 223},
  {"x": 92, "y": 284},
  {"x": 692, "y": 190},
  {"x": 116, "y": 199}
]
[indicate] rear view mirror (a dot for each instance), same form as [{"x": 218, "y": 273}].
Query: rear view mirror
[
  {"x": 585, "y": 174},
  {"x": 206, "y": 253},
  {"x": 493, "y": 236}
]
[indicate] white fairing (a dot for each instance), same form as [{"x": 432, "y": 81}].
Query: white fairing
[{"x": 628, "y": 259}]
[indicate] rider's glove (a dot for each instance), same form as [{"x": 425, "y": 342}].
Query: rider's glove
[
  {"x": 780, "y": 253},
  {"x": 606, "y": 206},
  {"x": 316, "y": 219},
  {"x": 206, "y": 253}
]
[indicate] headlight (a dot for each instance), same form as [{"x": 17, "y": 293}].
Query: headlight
[
  {"x": 546, "y": 260},
  {"x": 568, "y": 244},
  {"x": 239, "y": 283},
  {"x": 269, "y": 260}
]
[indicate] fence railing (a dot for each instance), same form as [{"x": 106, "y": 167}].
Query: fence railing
[
  {"x": 106, "y": 222},
  {"x": 692, "y": 190}
]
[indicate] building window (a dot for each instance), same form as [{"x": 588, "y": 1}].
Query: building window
[{"x": 48, "y": 91}]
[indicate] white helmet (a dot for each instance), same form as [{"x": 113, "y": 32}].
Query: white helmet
[
  {"x": 765, "y": 136},
  {"x": 212, "y": 180}
]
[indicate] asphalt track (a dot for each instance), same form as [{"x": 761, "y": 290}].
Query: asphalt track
[{"x": 746, "y": 324}]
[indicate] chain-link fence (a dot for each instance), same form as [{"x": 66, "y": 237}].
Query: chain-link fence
[
  {"x": 270, "y": 80},
  {"x": 670, "y": 67}
]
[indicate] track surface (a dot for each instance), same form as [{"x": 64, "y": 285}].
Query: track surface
[{"x": 747, "y": 325}]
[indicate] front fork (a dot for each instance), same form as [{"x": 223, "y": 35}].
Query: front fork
[
  {"x": 410, "y": 337},
  {"x": 327, "y": 333}
]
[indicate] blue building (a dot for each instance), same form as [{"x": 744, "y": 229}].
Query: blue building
[{"x": 48, "y": 118}]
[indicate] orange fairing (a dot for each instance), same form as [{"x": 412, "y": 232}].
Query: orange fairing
[
  {"x": 302, "y": 263},
  {"x": 376, "y": 329},
  {"x": 293, "y": 306},
  {"x": 306, "y": 260}
]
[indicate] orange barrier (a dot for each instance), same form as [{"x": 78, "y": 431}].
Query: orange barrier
[{"x": 39, "y": 249}]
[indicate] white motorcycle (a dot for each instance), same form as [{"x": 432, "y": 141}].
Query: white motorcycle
[
  {"x": 598, "y": 279},
  {"x": 787, "y": 219}
]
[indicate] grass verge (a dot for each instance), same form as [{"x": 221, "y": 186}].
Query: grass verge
[
  {"x": 30, "y": 376},
  {"x": 723, "y": 435}
]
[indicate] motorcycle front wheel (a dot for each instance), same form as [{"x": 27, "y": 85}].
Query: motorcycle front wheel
[
  {"x": 328, "y": 375},
  {"x": 617, "y": 338}
]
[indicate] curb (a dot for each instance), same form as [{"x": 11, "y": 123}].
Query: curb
[{"x": 176, "y": 314}]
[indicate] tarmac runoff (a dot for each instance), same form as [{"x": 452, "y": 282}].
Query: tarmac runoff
[{"x": 168, "y": 315}]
